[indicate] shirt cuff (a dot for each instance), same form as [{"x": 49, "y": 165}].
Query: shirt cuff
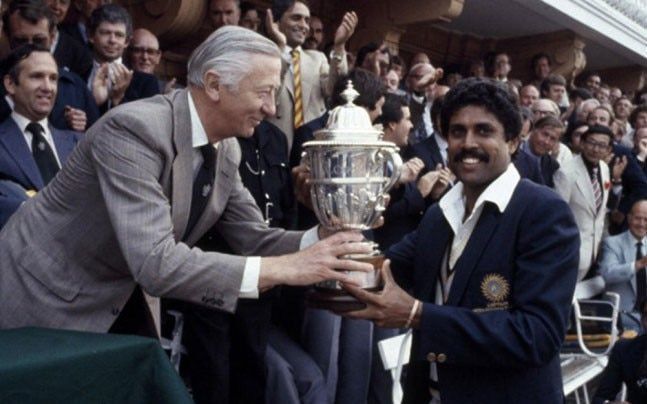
[
  {"x": 249, "y": 285},
  {"x": 309, "y": 238}
]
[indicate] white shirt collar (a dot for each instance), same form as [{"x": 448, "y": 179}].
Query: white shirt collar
[
  {"x": 52, "y": 48},
  {"x": 198, "y": 134},
  {"x": 499, "y": 192},
  {"x": 441, "y": 142},
  {"x": 22, "y": 122},
  {"x": 97, "y": 64}
]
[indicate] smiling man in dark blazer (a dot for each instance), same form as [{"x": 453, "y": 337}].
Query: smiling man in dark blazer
[
  {"x": 26, "y": 158},
  {"x": 491, "y": 269}
]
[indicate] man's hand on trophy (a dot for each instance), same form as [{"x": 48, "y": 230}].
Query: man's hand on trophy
[
  {"x": 390, "y": 308},
  {"x": 321, "y": 261},
  {"x": 410, "y": 170}
]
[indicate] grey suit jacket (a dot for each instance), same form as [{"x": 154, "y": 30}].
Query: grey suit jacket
[
  {"x": 617, "y": 267},
  {"x": 113, "y": 217},
  {"x": 317, "y": 82}
]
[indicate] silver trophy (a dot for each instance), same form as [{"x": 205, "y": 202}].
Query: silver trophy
[{"x": 352, "y": 171}]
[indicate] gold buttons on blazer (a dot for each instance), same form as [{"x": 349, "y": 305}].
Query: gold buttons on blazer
[
  {"x": 431, "y": 357},
  {"x": 441, "y": 358}
]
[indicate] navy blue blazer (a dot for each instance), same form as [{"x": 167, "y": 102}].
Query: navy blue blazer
[
  {"x": 500, "y": 331},
  {"x": 71, "y": 91},
  {"x": 18, "y": 165},
  {"x": 623, "y": 367},
  {"x": 528, "y": 166},
  {"x": 306, "y": 218},
  {"x": 427, "y": 151},
  {"x": 634, "y": 180}
]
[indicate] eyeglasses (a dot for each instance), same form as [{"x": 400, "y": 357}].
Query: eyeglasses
[
  {"x": 149, "y": 51},
  {"x": 597, "y": 145},
  {"x": 36, "y": 40}
]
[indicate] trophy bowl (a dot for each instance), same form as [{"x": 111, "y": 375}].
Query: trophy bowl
[{"x": 352, "y": 171}]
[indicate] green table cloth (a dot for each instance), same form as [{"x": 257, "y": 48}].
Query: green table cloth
[{"x": 56, "y": 366}]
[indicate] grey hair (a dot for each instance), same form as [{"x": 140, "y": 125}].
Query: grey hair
[{"x": 228, "y": 51}]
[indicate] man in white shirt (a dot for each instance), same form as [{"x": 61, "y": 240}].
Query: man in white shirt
[{"x": 492, "y": 268}]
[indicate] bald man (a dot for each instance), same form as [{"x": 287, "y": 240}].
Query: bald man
[{"x": 144, "y": 55}]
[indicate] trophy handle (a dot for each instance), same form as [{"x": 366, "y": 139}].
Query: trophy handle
[{"x": 396, "y": 162}]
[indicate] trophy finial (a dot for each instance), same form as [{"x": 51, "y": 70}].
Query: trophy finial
[{"x": 349, "y": 94}]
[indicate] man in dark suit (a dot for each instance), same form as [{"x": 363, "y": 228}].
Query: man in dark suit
[
  {"x": 545, "y": 136},
  {"x": 28, "y": 158},
  {"x": 490, "y": 298},
  {"x": 69, "y": 54},
  {"x": 30, "y": 21},
  {"x": 628, "y": 365},
  {"x": 111, "y": 82}
]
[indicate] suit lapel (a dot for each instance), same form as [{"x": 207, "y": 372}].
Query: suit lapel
[
  {"x": 629, "y": 253},
  {"x": 182, "y": 181},
  {"x": 226, "y": 169},
  {"x": 432, "y": 254},
  {"x": 435, "y": 151},
  {"x": 472, "y": 253},
  {"x": 64, "y": 144},
  {"x": 583, "y": 183},
  {"x": 306, "y": 79},
  {"x": 13, "y": 140}
]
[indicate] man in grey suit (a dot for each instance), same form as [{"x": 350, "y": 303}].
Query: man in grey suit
[
  {"x": 125, "y": 210},
  {"x": 623, "y": 263}
]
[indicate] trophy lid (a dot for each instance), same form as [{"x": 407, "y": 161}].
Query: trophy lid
[{"x": 349, "y": 122}]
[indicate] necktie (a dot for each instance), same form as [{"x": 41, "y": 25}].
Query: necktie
[
  {"x": 202, "y": 186},
  {"x": 641, "y": 278},
  {"x": 298, "y": 98},
  {"x": 42, "y": 152},
  {"x": 597, "y": 192}
]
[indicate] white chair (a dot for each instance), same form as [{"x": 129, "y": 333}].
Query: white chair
[
  {"x": 580, "y": 367},
  {"x": 394, "y": 352},
  {"x": 174, "y": 345}
]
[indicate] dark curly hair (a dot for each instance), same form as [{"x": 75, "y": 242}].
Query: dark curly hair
[{"x": 486, "y": 93}]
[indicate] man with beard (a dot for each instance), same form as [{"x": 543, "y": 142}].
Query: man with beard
[{"x": 490, "y": 299}]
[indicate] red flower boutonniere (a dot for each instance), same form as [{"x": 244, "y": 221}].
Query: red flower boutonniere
[{"x": 607, "y": 185}]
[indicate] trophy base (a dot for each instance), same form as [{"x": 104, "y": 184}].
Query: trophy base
[
  {"x": 329, "y": 295},
  {"x": 334, "y": 300}
]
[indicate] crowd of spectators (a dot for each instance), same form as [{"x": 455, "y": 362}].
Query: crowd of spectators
[{"x": 585, "y": 139}]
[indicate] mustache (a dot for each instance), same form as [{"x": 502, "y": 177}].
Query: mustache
[{"x": 478, "y": 154}]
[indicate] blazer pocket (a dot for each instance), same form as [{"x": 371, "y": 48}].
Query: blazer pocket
[{"x": 52, "y": 274}]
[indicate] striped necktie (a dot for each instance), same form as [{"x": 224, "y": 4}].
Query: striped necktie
[
  {"x": 298, "y": 99},
  {"x": 597, "y": 192}
]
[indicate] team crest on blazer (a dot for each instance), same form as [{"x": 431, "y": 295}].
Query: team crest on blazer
[{"x": 495, "y": 288}]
